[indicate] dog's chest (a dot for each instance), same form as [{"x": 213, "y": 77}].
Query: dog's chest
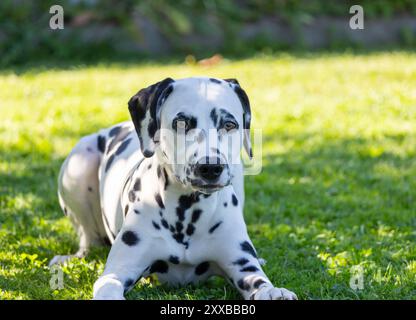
[
  {"x": 184, "y": 262},
  {"x": 184, "y": 222},
  {"x": 181, "y": 238}
]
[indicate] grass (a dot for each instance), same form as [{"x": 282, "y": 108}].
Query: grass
[{"x": 337, "y": 189}]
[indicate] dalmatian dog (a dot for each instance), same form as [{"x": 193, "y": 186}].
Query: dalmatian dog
[{"x": 167, "y": 202}]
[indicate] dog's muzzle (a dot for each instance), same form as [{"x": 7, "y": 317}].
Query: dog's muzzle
[{"x": 208, "y": 173}]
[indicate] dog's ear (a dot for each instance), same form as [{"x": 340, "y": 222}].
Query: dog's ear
[
  {"x": 144, "y": 108},
  {"x": 246, "y": 114}
]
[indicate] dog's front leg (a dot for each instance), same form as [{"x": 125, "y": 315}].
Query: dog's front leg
[
  {"x": 240, "y": 263},
  {"x": 127, "y": 261}
]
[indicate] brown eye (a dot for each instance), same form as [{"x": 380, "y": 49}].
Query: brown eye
[{"x": 229, "y": 125}]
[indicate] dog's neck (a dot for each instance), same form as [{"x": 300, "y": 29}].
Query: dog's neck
[{"x": 169, "y": 183}]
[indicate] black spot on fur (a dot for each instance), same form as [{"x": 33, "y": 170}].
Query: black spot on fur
[
  {"x": 214, "y": 116},
  {"x": 179, "y": 226},
  {"x": 136, "y": 211},
  {"x": 190, "y": 229},
  {"x": 171, "y": 228},
  {"x": 249, "y": 269},
  {"x": 225, "y": 204},
  {"x": 109, "y": 162},
  {"x": 195, "y": 215},
  {"x": 130, "y": 238},
  {"x": 137, "y": 185},
  {"x": 157, "y": 227},
  {"x": 162, "y": 174},
  {"x": 149, "y": 167},
  {"x": 215, "y": 226},
  {"x": 202, "y": 268},
  {"x": 241, "y": 261},
  {"x": 243, "y": 285},
  {"x": 89, "y": 189},
  {"x": 185, "y": 202},
  {"x": 159, "y": 266},
  {"x": 180, "y": 213},
  {"x": 101, "y": 143},
  {"x": 164, "y": 223},
  {"x": 174, "y": 259},
  {"x": 159, "y": 201},
  {"x": 114, "y": 131},
  {"x": 120, "y": 136},
  {"x": 234, "y": 200},
  {"x": 126, "y": 210},
  {"x": 165, "y": 174},
  {"x": 193, "y": 123},
  {"x": 178, "y": 237},
  {"x": 123, "y": 147},
  {"x": 132, "y": 196},
  {"x": 246, "y": 247},
  {"x": 258, "y": 283},
  {"x": 215, "y": 80}
]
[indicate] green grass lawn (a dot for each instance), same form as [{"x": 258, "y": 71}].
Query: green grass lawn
[{"x": 337, "y": 190}]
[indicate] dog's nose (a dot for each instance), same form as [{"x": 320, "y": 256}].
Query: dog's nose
[{"x": 209, "y": 171}]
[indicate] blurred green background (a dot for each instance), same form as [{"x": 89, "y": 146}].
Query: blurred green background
[
  {"x": 337, "y": 108},
  {"x": 133, "y": 29}
]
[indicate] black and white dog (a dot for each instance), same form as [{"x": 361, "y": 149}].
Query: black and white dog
[{"x": 182, "y": 220}]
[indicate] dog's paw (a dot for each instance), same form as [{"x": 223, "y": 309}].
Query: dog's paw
[
  {"x": 272, "y": 293},
  {"x": 108, "y": 288},
  {"x": 59, "y": 259}
]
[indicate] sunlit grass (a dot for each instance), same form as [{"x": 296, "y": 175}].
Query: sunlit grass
[{"x": 337, "y": 190}]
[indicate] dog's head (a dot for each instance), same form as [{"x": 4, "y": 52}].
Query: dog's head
[{"x": 195, "y": 126}]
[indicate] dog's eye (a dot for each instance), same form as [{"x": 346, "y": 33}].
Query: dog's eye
[
  {"x": 180, "y": 123},
  {"x": 229, "y": 125},
  {"x": 186, "y": 123}
]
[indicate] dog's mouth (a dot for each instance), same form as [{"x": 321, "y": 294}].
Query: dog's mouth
[{"x": 207, "y": 188}]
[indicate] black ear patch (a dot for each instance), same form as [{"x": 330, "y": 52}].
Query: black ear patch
[
  {"x": 144, "y": 108},
  {"x": 245, "y": 102},
  {"x": 242, "y": 95},
  {"x": 233, "y": 81}
]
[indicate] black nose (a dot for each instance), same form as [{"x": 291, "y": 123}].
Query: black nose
[{"x": 209, "y": 171}]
